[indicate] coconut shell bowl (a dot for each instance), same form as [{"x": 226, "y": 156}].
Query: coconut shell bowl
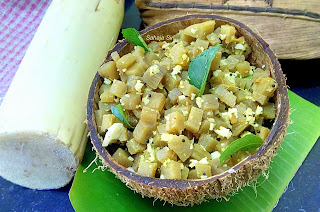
[{"x": 189, "y": 192}]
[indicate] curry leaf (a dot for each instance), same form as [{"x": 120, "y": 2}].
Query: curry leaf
[
  {"x": 119, "y": 113},
  {"x": 248, "y": 142},
  {"x": 199, "y": 68},
  {"x": 134, "y": 37}
]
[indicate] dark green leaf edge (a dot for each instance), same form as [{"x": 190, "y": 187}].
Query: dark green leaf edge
[
  {"x": 249, "y": 142},
  {"x": 203, "y": 61},
  {"x": 118, "y": 112},
  {"x": 135, "y": 38}
]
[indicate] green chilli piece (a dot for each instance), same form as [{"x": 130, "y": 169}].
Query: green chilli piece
[
  {"x": 134, "y": 37},
  {"x": 199, "y": 68},
  {"x": 248, "y": 77},
  {"x": 118, "y": 112},
  {"x": 249, "y": 142}
]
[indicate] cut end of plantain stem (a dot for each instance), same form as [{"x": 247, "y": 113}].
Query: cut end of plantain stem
[{"x": 36, "y": 160}]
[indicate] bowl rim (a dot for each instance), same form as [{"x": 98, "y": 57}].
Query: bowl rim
[{"x": 279, "y": 126}]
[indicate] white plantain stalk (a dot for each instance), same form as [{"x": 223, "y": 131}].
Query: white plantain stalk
[{"x": 42, "y": 129}]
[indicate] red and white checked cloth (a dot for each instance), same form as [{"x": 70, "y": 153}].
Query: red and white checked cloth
[{"x": 19, "y": 20}]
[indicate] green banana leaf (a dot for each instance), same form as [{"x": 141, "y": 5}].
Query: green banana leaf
[{"x": 101, "y": 191}]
